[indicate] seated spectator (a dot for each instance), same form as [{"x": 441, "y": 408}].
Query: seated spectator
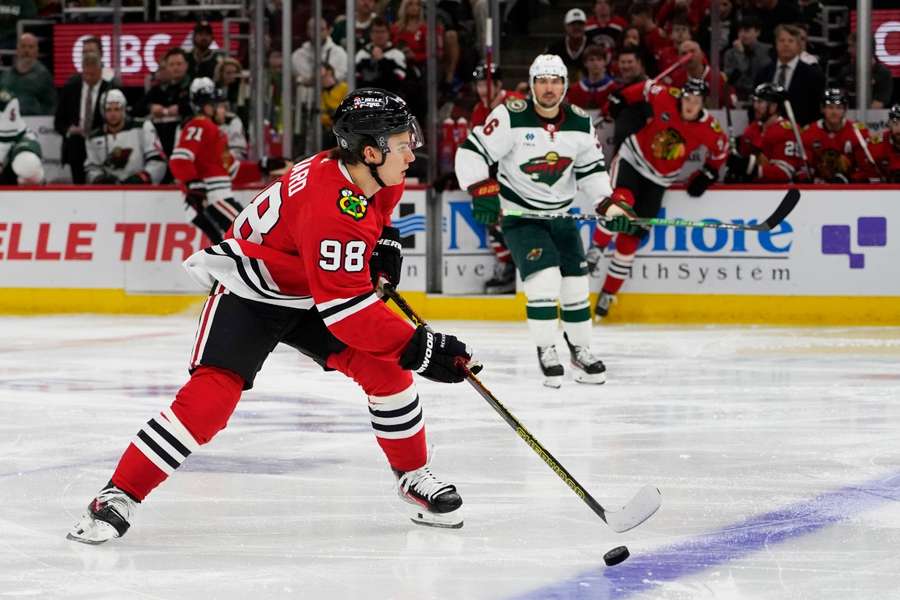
[
  {"x": 20, "y": 152},
  {"x": 411, "y": 29},
  {"x": 698, "y": 68},
  {"x": 771, "y": 14},
  {"x": 681, "y": 32},
  {"x": 767, "y": 150},
  {"x": 29, "y": 81},
  {"x": 79, "y": 111},
  {"x": 603, "y": 28},
  {"x": 729, "y": 20},
  {"x": 886, "y": 151},
  {"x": 121, "y": 151},
  {"x": 882, "y": 81},
  {"x": 571, "y": 47},
  {"x": 168, "y": 102},
  {"x": 229, "y": 77},
  {"x": 653, "y": 38},
  {"x": 591, "y": 92},
  {"x": 832, "y": 146},
  {"x": 746, "y": 58},
  {"x": 333, "y": 92},
  {"x": 365, "y": 14},
  {"x": 379, "y": 63},
  {"x": 692, "y": 10},
  {"x": 629, "y": 118},
  {"x": 804, "y": 83},
  {"x": 203, "y": 60}
]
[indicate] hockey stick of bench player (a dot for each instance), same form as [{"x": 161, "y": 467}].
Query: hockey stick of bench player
[
  {"x": 781, "y": 211},
  {"x": 789, "y": 109},
  {"x": 640, "y": 508},
  {"x": 865, "y": 148}
]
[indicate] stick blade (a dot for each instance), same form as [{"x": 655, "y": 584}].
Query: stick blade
[
  {"x": 784, "y": 209},
  {"x": 640, "y": 508}
]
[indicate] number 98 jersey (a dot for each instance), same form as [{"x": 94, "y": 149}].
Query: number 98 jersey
[{"x": 304, "y": 242}]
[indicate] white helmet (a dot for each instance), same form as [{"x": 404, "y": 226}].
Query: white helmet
[
  {"x": 114, "y": 97},
  {"x": 548, "y": 65}
]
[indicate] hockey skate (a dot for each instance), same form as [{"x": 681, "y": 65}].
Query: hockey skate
[
  {"x": 503, "y": 281},
  {"x": 604, "y": 301},
  {"x": 588, "y": 368},
  {"x": 437, "y": 503},
  {"x": 550, "y": 366},
  {"x": 108, "y": 516}
]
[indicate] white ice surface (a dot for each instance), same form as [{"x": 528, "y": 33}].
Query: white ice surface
[{"x": 294, "y": 498}]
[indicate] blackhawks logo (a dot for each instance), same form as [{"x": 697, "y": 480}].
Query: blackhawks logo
[
  {"x": 352, "y": 205},
  {"x": 546, "y": 169},
  {"x": 667, "y": 145},
  {"x": 831, "y": 163}
]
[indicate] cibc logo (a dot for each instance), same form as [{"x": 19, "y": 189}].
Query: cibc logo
[{"x": 871, "y": 232}]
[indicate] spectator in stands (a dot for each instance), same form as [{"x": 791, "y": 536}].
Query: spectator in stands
[
  {"x": 653, "y": 38},
  {"x": 29, "y": 80},
  {"x": 692, "y": 10},
  {"x": 379, "y": 63},
  {"x": 746, "y": 58},
  {"x": 20, "y": 152},
  {"x": 365, "y": 14},
  {"x": 591, "y": 92},
  {"x": 729, "y": 20},
  {"x": 411, "y": 29},
  {"x": 168, "y": 101},
  {"x": 882, "y": 82},
  {"x": 93, "y": 45},
  {"x": 450, "y": 14},
  {"x": 571, "y": 47},
  {"x": 804, "y": 83},
  {"x": 603, "y": 28},
  {"x": 333, "y": 92},
  {"x": 121, "y": 151},
  {"x": 79, "y": 112},
  {"x": 681, "y": 32},
  {"x": 629, "y": 118},
  {"x": 10, "y": 13},
  {"x": 229, "y": 76},
  {"x": 203, "y": 60},
  {"x": 810, "y": 59},
  {"x": 772, "y": 13},
  {"x": 698, "y": 68}
]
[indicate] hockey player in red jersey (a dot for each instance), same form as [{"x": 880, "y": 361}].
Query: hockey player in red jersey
[
  {"x": 648, "y": 163},
  {"x": 767, "y": 151},
  {"x": 886, "y": 151},
  {"x": 204, "y": 165},
  {"x": 832, "y": 147},
  {"x": 298, "y": 268}
]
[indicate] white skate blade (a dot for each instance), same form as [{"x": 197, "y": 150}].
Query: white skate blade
[
  {"x": 91, "y": 531},
  {"x": 554, "y": 382},
  {"x": 450, "y": 520},
  {"x": 640, "y": 508},
  {"x": 595, "y": 379}
]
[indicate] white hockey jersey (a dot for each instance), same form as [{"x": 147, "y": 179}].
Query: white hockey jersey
[
  {"x": 541, "y": 165},
  {"x": 233, "y": 127},
  {"x": 118, "y": 156}
]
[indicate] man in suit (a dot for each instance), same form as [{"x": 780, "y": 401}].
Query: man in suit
[
  {"x": 79, "y": 113},
  {"x": 804, "y": 83}
]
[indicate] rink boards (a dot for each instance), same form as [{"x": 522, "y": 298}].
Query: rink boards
[{"x": 832, "y": 261}]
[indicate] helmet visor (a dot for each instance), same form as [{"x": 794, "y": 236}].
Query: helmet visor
[{"x": 416, "y": 138}]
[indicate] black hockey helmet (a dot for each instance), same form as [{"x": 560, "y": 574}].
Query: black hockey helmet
[
  {"x": 203, "y": 92},
  {"x": 694, "y": 87},
  {"x": 480, "y": 73},
  {"x": 770, "y": 92},
  {"x": 834, "y": 96},
  {"x": 894, "y": 113},
  {"x": 368, "y": 116}
]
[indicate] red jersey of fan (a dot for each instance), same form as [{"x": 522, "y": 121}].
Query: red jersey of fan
[
  {"x": 887, "y": 155},
  {"x": 838, "y": 152},
  {"x": 305, "y": 242},
  {"x": 481, "y": 110},
  {"x": 661, "y": 147},
  {"x": 591, "y": 95},
  {"x": 415, "y": 40},
  {"x": 775, "y": 147}
]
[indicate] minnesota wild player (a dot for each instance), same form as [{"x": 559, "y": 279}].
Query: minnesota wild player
[
  {"x": 547, "y": 151},
  {"x": 20, "y": 153}
]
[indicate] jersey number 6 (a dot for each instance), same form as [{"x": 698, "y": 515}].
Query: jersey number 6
[{"x": 260, "y": 216}]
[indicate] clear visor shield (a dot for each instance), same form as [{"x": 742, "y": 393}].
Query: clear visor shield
[{"x": 416, "y": 139}]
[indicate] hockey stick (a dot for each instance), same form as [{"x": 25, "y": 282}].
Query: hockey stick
[
  {"x": 796, "y": 129},
  {"x": 865, "y": 148},
  {"x": 671, "y": 68},
  {"x": 640, "y": 508},
  {"x": 781, "y": 211}
]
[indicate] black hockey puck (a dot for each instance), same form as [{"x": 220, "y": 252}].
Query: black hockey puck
[{"x": 616, "y": 555}]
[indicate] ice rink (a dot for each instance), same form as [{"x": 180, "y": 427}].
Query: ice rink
[{"x": 777, "y": 452}]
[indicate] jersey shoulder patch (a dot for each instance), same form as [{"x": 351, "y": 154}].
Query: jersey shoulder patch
[
  {"x": 578, "y": 111},
  {"x": 714, "y": 125},
  {"x": 516, "y": 105},
  {"x": 859, "y": 125},
  {"x": 673, "y": 91},
  {"x": 352, "y": 205},
  {"x": 786, "y": 124}
]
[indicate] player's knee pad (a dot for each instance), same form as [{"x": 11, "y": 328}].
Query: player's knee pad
[
  {"x": 627, "y": 244},
  {"x": 574, "y": 289},
  {"x": 205, "y": 403},
  {"x": 543, "y": 284},
  {"x": 28, "y": 167}
]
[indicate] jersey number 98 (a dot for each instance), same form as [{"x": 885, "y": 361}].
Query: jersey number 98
[{"x": 333, "y": 254}]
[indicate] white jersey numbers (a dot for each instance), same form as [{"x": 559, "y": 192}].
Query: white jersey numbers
[
  {"x": 260, "y": 216},
  {"x": 332, "y": 254}
]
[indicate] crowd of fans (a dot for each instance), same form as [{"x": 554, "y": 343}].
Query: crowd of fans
[{"x": 607, "y": 46}]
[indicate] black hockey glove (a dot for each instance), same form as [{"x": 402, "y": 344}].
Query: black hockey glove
[
  {"x": 701, "y": 181},
  {"x": 740, "y": 168},
  {"x": 438, "y": 357},
  {"x": 195, "y": 195},
  {"x": 139, "y": 178},
  {"x": 387, "y": 257},
  {"x": 616, "y": 103}
]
